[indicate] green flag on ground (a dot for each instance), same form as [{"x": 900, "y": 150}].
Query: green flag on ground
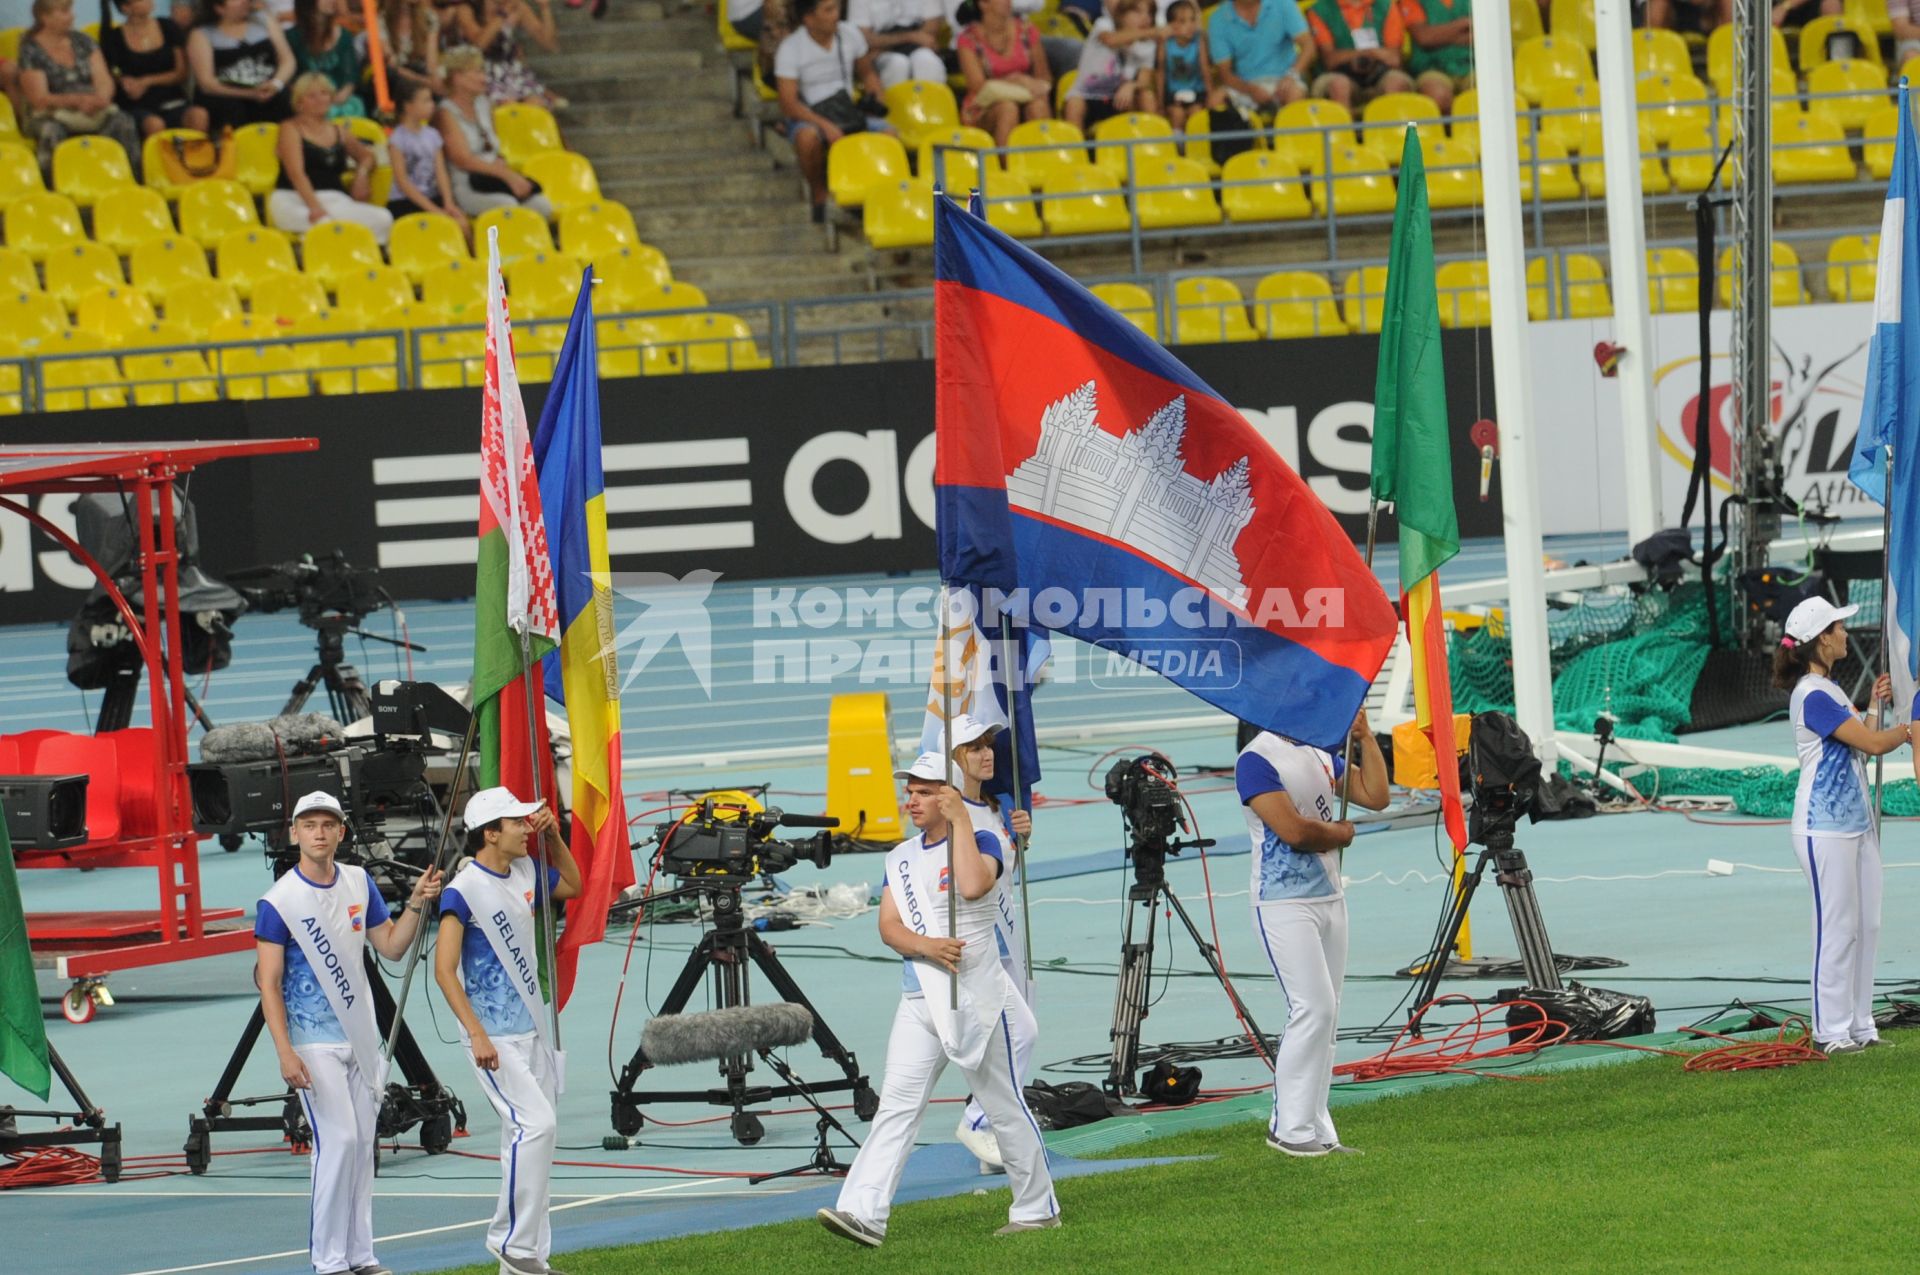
[
  {"x": 23, "y": 1036},
  {"x": 1411, "y": 467}
]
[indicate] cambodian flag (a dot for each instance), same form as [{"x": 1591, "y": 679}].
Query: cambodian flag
[{"x": 1077, "y": 460}]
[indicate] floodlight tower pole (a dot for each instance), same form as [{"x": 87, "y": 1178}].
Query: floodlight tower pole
[
  {"x": 1754, "y": 452},
  {"x": 1513, "y": 384}
]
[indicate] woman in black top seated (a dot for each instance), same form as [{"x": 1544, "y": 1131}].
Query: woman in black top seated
[
  {"x": 147, "y": 56},
  {"x": 316, "y": 155},
  {"x": 241, "y": 65}
]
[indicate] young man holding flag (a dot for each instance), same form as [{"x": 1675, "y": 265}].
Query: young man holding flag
[{"x": 487, "y": 964}]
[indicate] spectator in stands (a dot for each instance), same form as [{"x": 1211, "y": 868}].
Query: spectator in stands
[
  {"x": 241, "y": 65},
  {"x": 904, "y": 36},
  {"x": 315, "y": 151},
  {"x": 1359, "y": 47},
  {"x": 420, "y": 179},
  {"x": 1063, "y": 51},
  {"x": 1799, "y": 12},
  {"x": 320, "y": 43},
  {"x": 147, "y": 56},
  {"x": 66, "y": 86},
  {"x": 1184, "y": 73},
  {"x": 410, "y": 39},
  {"x": 1116, "y": 66},
  {"x": 1905, "y": 17},
  {"x": 1442, "y": 36},
  {"x": 775, "y": 18},
  {"x": 1261, "y": 50},
  {"x": 481, "y": 178},
  {"x": 1008, "y": 78},
  {"x": 495, "y": 28},
  {"x": 817, "y": 69},
  {"x": 1685, "y": 15}
]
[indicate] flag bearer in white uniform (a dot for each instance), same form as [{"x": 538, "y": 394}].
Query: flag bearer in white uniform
[
  {"x": 311, "y": 930},
  {"x": 927, "y": 1031},
  {"x": 1300, "y": 912},
  {"x": 487, "y": 963},
  {"x": 972, "y": 752},
  {"x": 1833, "y": 833}
]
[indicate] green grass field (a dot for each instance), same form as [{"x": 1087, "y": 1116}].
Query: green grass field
[{"x": 1632, "y": 1167}]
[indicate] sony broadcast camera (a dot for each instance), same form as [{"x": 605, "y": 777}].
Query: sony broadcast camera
[
  {"x": 1503, "y": 773},
  {"x": 736, "y": 841},
  {"x": 1148, "y": 795},
  {"x": 326, "y": 589}
]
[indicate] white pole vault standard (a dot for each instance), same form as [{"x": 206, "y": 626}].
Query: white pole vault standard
[
  {"x": 1632, "y": 322},
  {"x": 1513, "y": 382}
]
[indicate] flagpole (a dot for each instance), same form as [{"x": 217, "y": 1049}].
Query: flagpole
[
  {"x": 1886, "y": 631},
  {"x": 534, "y": 708},
  {"x": 1346, "y": 763},
  {"x": 1016, "y": 674},
  {"x": 946, "y": 775},
  {"x": 441, "y": 860}
]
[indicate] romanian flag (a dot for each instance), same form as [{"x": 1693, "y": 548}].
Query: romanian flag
[
  {"x": 581, "y": 673},
  {"x": 1412, "y": 467}
]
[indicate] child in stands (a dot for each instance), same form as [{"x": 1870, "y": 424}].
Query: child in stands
[
  {"x": 1116, "y": 66},
  {"x": 420, "y": 182}
]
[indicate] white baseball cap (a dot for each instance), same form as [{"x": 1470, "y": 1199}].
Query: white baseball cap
[
  {"x": 490, "y": 804},
  {"x": 323, "y": 801},
  {"x": 1811, "y": 618},
  {"x": 966, "y": 728},
  {"x": 931, "y": 766}
]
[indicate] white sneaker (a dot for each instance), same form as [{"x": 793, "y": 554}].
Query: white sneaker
[
  {"x": 849, "y": 1227},
  {"x": 984, "y": 1145},
  {"x": 1303, "y": 1150},
  {"x": 1834, "y": 1048}
]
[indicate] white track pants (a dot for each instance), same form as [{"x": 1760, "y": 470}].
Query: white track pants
[
  {"x": 914, "y": 1063},
  {"x": 340, "y": 1110},
  {"x": 1845, "y": 875},
  {"x": 521, "y": 1090},
  {"x": 1306, "y": 943},
  {"x": 1025, "y": 1029}
]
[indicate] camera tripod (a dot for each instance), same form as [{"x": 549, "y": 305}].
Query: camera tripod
[
  {"x": 347, "y": 698},
  {"x": 1130, "y": 998},
  {"x": 1515, "y": 880},
  {"x": 422, "y": 1101},
  {"x": 84, "y": 1124},
  {"x": 725, "y": 950}
]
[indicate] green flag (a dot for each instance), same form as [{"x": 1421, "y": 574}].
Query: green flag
[
  {"x": 23, "y": 1036},
  {"x": 1411, "y": 467}
]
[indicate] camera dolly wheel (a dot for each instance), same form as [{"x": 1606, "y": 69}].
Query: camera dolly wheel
[
  {"x": 199, "y": 1146},
  {"x": 747, "y": 1129},
  {"x": 436, "y": 1133},
  {"x": 110, "y": 1154},
  {"x": 866, "y": 1103},
  {"x": 627, "y": 1120},
  {"x": 83, "y": 999}
]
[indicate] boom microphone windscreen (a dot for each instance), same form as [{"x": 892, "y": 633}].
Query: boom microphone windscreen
[{"x": 724, "y": 1033}]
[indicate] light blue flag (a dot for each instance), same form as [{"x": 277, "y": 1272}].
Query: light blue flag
[{"x": 1890, "y": 410}]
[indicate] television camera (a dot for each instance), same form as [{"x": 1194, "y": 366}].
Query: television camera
[
  {"x": 734, "y": 841},
  {"x": 331, "y": 596}
]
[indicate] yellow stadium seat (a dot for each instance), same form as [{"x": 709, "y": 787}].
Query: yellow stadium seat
[
  {"x": 1811, "y": 149},
  {"x": 626, "y": 275},
  {"x": 28, "y": 320},
  {"x": 1365, "y": 291},
  {"x": 1386, "y": 118},
  {"x": 1453, "y": 175},
  {"x": 718, "y": 343},
  {"x": 448, "y": 360},
  {"x": 1871, "y": 14},
  {"x": 1864, "y": 83},
  {"x": 72, "y": 384},
  {"x": 1196, "y": 141},
  {"x": 19, "y": 175},
  {"x": 1586, "y": 285},
  {"x": 1295, "y": 303},
  {"x": 379, "y": 295},
  {"x": 1593, "y": 171},
  {"x": 335, "y": 250},
  {"x": 1720, "y": 58},
  {"x": 180, "y": 376},
  {"x": 158, "y": 265},
  {"x": 1573, "y": 19},
  {"x": 1813, "y": 40},
  {"x": 543, "y": 287},
  {"x": 956, "y": 166},
  {"x": 1786, "y": 285},
  {"x": 637, "y": 347},
  {"x": 1853, "y": 266},
  {"x": 1465, "y": 119},
  {"x": 291, "y": 300},
  {"x": 523, "y": 233},
  {"x": 1669, "y": 103},
  {"x": 1306, "y": 129},
  {"x": 599, "y": 229},
  {"x": 1084, "y": 201},
  {"x": 196, "y": 305},
  {"x": 1062, "y": 85},
  {"x": 251, "y": 364},
  {"x": 9, "y": 125},
  {"x": 1464, "y": 299},
  {"x": 78, "y": 268},
  {"x": 16, "y": 273},
  {"x": 455, "y": 292},
  {"x": 1543, "y": 161},
  {"x": 115, "y": 313},
  {"x": 153, "y": 173},
  {"x": 1539, "y": 299},
  {"x": 1133, "y": 303},
  {"x": 675, "y": 296},
  {"x": 1660, "y": 52},
  {"x": 1054, "y": 22},
  {"x": 156, "y": 335},
  {"x": 1064, "y": 145},
  {"x": 1876, "y": 138},
  {"x": 860, "y": 162},
  {"x": 42, "y": 224},
  {"x": 525, "y": 131},
  {"x": 1691, "y": 155},
  {"x": 85, "y": 168},
  {"x": 1208, "y": 310},
  {"x": 1549, "y": 60},
  {"x": 1170, "y": 193},
  {"x": 1569, "y": 107},
  {"x": 125, "y": 218},
  {"x": 566, "y": 177},
  {"x": 1362, "y": 183},
  {"x": 250, "y": 254},
  {"x": 898, "y": 215},
  {"x": 211, "y": 209},
  {"x": 1263, "y": 186},
  {"x": 1911, "y": 69},
  {"x": 426, "y": 241},
  {"x": 1673, "y": 281},
  {"x": 1011, "y": 205},
  {"x": 918, "y": 107},
  {"x": 357, "y": 365},
  {"x": 257, "y": 157},
  {"x": 1154, "y": 137},
  {"x": 380, "y": 184},
  {"x": 1523, "y": 17}
]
